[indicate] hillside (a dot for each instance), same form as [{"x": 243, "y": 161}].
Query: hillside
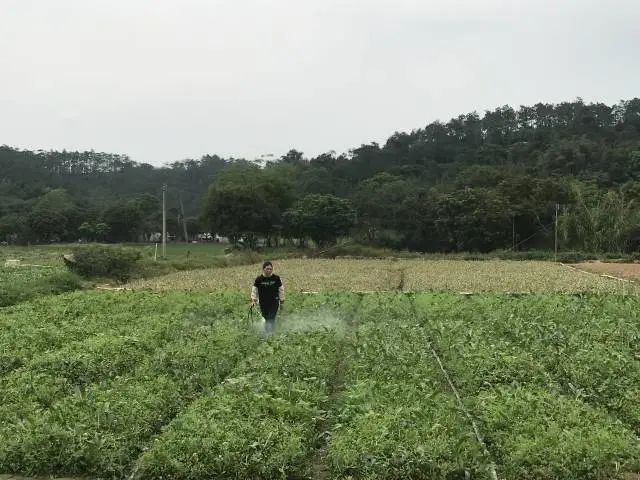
[{"x": 472, "y": 183}]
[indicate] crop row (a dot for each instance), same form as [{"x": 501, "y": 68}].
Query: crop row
[
  {"x": 178, "y": 386},
  {"x": 262, "y": 422},
  {"x": 397, "y": 418},
  {"x": 550, "y": 379},
  {"x": 91, "y": 407},
  {"x": 45, "y": 325}
]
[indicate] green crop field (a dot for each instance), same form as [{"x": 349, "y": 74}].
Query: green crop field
[
  {"x": 382, "y": 370},
  {"x": 26, "y": 275},
  {"x": 52, "y": 254}
]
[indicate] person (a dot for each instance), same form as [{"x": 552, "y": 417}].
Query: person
[{"x": 268, "y": 292}]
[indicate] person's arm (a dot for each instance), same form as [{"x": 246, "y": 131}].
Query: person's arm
[
  {"x": 281, "y": 293},
  {"x": 254, "y": 293}
]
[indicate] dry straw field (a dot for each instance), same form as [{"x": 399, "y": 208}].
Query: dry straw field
[{"x": 399, "y": 275}]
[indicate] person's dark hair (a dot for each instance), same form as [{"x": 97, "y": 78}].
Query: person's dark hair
[{"x": 267, "y": 264}]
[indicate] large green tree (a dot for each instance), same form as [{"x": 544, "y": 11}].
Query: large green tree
[
  {"x": 124, "y": 222},
  {"x": 240, "y": 212},
  {"x": 246, "y": 201},
  {"x": 475, "y": 220},
  {"x": 14, "y": 228},
  {"x": 605, "y": 223},
  {"x": 377, "y": 200},
  {"x": 323, "y": 218},
  {"x": 55, "y": 216}
]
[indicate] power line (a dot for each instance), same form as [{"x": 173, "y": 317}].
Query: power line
[{"x": 544, "y": 227}]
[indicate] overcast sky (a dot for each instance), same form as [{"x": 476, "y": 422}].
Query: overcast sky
[{"x": 165, "y": 80}]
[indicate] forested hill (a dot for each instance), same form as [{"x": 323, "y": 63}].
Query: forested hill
[
  {"x": 99, "y": 179},
  {"x": 424, "y": 189}
]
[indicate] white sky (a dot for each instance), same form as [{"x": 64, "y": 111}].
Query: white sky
[{"x": 164, "y": 80}]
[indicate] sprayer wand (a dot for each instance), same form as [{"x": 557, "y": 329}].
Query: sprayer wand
[{"x": 250, "y": 314}]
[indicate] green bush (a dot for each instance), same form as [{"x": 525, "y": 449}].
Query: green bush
[
  {"x": 575, "y": 257},
  {"x": 104, "y": 261},
  {"x": 148, "y": 268},
  {"x": 475, "y": 256},
  {"x": 58, "y": 283},
  {"x": 49, "y": 285},
  {"x": 525, "y": 255},
  {"x": 362, "y": 251}
]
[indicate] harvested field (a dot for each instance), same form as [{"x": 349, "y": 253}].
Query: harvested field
[
  {"x": 629, "y": 271},
  {"x": 406, "y": 275}
]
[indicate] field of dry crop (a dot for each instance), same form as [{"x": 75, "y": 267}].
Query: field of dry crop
[{"x": 405, "y": 275}]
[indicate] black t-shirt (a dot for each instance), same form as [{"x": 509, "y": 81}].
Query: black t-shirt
[{"x": 268, "y": 288}]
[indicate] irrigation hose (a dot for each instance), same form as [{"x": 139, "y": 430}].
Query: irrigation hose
[{"x": 476, "y": 431}]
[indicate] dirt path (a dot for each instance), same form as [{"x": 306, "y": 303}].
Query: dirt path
[{"x": 320, "y": 469}]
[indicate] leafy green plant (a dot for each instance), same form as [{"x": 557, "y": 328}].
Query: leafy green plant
[
  {"x": 23, "y": 284},
  {"x": 540, "y": 435},
  {"x": 91, "y": 407},
  {"x": 104, "y": 261},
  {"x": 552, "y": 378},
  {"x": 178, "y": 385},
  {"x": 261, "y": 422},
  {"x": 396, "y": 418}
]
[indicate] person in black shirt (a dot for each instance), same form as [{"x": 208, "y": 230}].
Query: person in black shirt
[{"x": 268, "y": 292}]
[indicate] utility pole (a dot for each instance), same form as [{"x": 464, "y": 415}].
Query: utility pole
[
  {"x": 184, "y": 220},
  {"x": 164, "y": 220},
  {"x": 555, "y": 246}
]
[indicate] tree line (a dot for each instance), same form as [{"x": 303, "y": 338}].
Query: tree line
[{"x": 474, "y": 183}]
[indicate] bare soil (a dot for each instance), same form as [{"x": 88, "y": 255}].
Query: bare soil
[{"x": 627, "y": 271}]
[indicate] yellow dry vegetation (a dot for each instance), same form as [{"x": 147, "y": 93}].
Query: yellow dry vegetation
[
  {"x": 306, "y": 275},
  {"x": 505, "y": 276},
  {"x": 317, "y": 275}
]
